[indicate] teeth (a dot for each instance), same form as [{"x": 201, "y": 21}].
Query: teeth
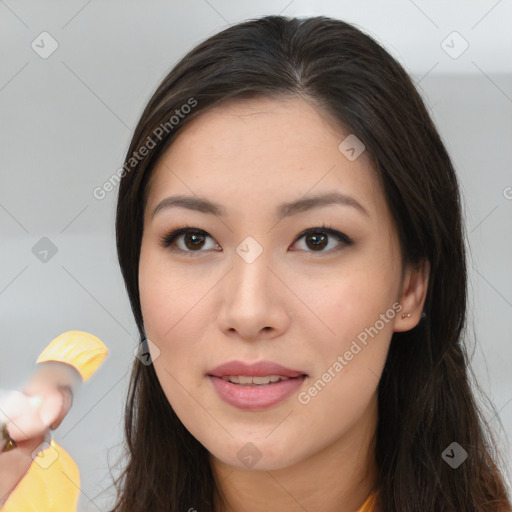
[{"x": 246, "y": 380}]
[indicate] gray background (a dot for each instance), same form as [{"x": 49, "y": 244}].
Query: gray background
[{"x": 66, "y": 122}]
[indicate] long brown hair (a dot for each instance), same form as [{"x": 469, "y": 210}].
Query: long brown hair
[{"x": 425, "y": 396}]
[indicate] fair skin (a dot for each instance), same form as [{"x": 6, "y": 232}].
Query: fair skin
[
  {"x": 295, "y": 304},
  {"x": 30, "y": 421}
]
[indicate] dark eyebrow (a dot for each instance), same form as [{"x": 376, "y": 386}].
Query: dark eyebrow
[{"x": 284, "y": 210}]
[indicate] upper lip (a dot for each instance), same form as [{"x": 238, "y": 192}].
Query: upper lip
[{"x": 259, "y": 369}]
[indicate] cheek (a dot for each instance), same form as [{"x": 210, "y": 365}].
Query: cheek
[
  {"x": 350, "y": 301},
  {"x": 151, "y": 289},
  {"x": 350, "y": 359},
  {"x": 162, "y": 293},
  {"x": 172, "y": 311},
  {"x": 355, "y": 326}
]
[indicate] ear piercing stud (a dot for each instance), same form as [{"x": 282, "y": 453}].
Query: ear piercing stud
[{"x": 406, "y": 315}]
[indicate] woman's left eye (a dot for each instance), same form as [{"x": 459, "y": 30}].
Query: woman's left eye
[
  {"x": 318, "y": 238},
  {"x": 194, "y": 239}
]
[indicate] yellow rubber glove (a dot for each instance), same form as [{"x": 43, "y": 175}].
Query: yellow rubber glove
[{"x": 52, "y": 482}]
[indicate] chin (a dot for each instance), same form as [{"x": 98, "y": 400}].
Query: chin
[{"x": 264, "y": 455}]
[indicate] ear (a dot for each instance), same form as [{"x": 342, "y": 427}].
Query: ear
[{"x": 414, "y": 293}]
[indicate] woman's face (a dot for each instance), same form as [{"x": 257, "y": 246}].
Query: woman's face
[{"x": 250, "y": 286}]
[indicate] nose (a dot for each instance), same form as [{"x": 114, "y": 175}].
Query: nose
[{"x": 253, "y": 300}]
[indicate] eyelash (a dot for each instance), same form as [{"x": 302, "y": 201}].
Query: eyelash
[{"x": 167, "y": 240}]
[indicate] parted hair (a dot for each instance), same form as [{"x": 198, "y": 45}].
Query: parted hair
[{"x": 426, "y": 397}]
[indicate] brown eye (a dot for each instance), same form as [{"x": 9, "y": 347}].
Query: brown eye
[
  {"x": 317, "y": 239},
  {"x": 193, "y": 240}
]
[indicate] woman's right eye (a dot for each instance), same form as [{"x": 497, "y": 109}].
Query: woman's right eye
[{"x": 192, "y": 240}]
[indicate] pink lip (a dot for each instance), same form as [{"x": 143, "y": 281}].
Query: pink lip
[
  {"x": 259, "y": 369},
  {"x": 255, "y": 397}
]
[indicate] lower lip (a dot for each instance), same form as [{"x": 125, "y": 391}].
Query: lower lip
[{"x": 255, "y": 397}]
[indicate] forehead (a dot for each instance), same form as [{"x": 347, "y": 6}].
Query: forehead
[{"x": 251, "y": 151}]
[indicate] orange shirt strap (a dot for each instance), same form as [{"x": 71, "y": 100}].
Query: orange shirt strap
[{"x": 368, "y": 505}]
